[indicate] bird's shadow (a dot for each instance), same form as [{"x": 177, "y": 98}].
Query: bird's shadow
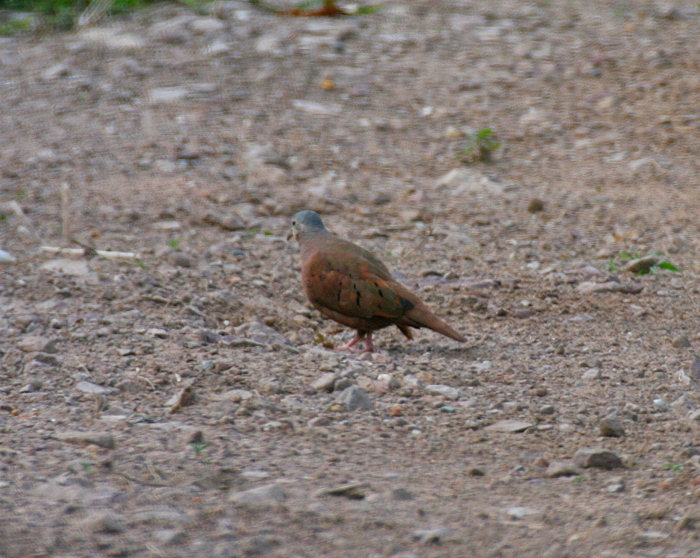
[{"x": 461, "y": 352}]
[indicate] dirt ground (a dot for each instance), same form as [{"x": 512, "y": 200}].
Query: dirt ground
[{"x": 186, "y": 400}]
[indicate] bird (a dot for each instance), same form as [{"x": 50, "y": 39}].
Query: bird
[{"x": 350, "y": 285}]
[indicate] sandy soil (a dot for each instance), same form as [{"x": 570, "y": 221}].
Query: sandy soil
[{"x": 187, "y": 400}]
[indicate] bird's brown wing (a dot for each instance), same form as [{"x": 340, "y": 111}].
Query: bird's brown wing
[{"x": 349, "y": 283}]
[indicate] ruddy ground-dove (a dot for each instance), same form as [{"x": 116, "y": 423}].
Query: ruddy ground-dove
[{"x": 353, "y": 287}]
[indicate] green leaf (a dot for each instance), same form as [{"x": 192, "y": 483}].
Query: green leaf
[
  {"x": 368, "y": 10},
  {"x": 668, "y": 266}
]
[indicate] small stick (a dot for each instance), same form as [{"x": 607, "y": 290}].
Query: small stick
[
  {"x": 65, "y": 211},
  {"x": 108, "y": 254}
]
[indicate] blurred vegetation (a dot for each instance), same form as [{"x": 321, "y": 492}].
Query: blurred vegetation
[{"x": 64, "y": 14}]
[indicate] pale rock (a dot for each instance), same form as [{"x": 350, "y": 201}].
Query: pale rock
[
  {"x": 509, "y": 426},
  {"x": 207, "y": 26},
  {"x": 261, "y": 496},
  {"x": 447, "y": 392},
  {"x": 166, "y": 95}
]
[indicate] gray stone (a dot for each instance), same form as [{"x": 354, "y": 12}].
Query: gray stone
[
  {"x": 510, "y": 426},
  {"x": 89, "y": 387},
  {"x": 354, "y": 398},
  {"x": 227, "y": 221},
  {"x": 36, "y": 344},
  {"x": 66, "y": 266},
  {"x": 312, "y": 107},
  {"x": 611, "y": 426},
  {"x": 57, "y": 70},
  {"x": 236, "y": 395},
  {"x": 168, "y": 94},
  {"x": 157, "y": 332},
  {"x": 112, "y": 39},
  {"x": 260, "y": 333},
  {"x": 520, "y": 512},
  {"x": 101, "y": 439},
  {"x": 6, "y": 257},
  {"x": 592, "y": 374},
  {"x": 402, "y": 494},
  {"x": 695, "y": 368},
  {"x": 207, "y": 26},
  {"x": 440, "y": 389},
  {"x": 591, "y": 287},
  {"x": 168, "y": 536},
  {"x": 681, "y": 342},
  {"x": 597, "y": 457},
  {"x": 158, "y": 515},
  {"x": 689, "y": 522},
  {"x": 562, "y": 469},
  {"x": 262, "y": 496},
  {"x": 660, "y": 405},
  {"x": 461, "y": 180},
  {"x": 431, "y": 536},
  {"x": 171, "y": 31},
  {"x": 350, "y": 490},
  {"x": 617, "y": 485},
  {"x": 105, "y": 522},
  {"x": 641, "y": 265},
  {"x": 325, "y": 382},
  {"x": 217, "y": 47}
]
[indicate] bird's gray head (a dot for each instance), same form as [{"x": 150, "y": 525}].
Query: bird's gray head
[{"x": 306, "y": 222}]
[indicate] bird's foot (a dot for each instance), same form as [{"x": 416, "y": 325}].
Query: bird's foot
[
  {"x": 349, "y": 346},
  {"x": 369, "y": 348}
]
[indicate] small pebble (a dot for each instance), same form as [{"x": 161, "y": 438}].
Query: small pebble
[
  {"x": 535, "y": 206},
  {"x": 520, "y": 512},
  {"x": 261, "y": 496},
  {"x": 446, "y": 391},
  {"x": 660, "y": 404},
  {"x": 592, "y": 374},
  {"x": 431, "y": 536},
  {"x": 611, "y": 426},
  {"x": 681, "y": 342},
  {"x": 354, "y": 398},
  {"x": 597, "y": 457},
  {"x": 509, "y": 426},
  {"x": 101, "y": 439},
  {"x": 562, "y": 469},
  {"x": 325, "y": 382},
  {"x": 6, "y": 257}
]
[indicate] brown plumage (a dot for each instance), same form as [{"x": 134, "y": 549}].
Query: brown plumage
[{"x": 353, "y": 287}]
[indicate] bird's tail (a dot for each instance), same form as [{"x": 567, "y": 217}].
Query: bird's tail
[{"x": 420, "y": 316}]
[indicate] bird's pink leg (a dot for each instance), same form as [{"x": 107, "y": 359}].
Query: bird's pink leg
[
  {"x": 349, "y": 345},
  {"x": 369, "y": 348}
]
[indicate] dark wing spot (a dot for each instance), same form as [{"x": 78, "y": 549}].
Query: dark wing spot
[
  {"x": 406, "y": 304},
  {"x": 358, "y": 295},
  {"x": 381, "y": 293}
]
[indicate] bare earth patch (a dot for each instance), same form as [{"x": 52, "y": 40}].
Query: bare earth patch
[{"x": 187, "y": 401}]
